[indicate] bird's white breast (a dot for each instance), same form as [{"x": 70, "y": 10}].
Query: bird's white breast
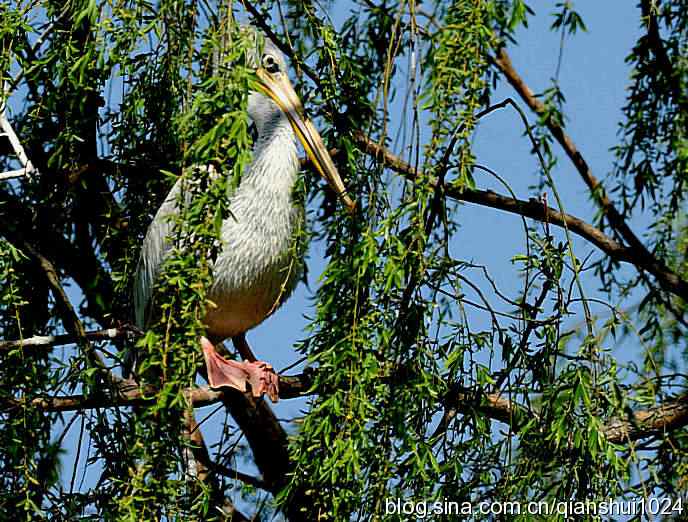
[
  {"x": 258, "y": 266},
  {"x": 259, "y": 263}
]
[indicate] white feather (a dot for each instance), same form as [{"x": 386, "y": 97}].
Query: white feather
[{"x": 257, "y": 268}]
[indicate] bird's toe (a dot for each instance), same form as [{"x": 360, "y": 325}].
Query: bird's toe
[
  {"x": 263, "y": 380},
  {"x": 234, "y": 374}
]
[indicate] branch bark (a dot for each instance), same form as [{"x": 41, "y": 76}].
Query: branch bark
[
  {"x": 643, "y": 258},
  {"x": 640, "y": 424},
  {"x": 665, "y": 417},
  {"x": 636, "y": 425},
  {"x": 534, "y": 209}
]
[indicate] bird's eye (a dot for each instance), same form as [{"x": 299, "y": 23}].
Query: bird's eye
[{"x": 270, "y": 64}]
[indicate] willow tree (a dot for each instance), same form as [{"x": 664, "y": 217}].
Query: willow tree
[{"x": 424, "y": 380}]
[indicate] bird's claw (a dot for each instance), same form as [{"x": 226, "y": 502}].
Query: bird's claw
[{"x": 223, "y": 372}]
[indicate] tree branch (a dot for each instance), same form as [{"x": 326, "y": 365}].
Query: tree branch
[
  {"x": 70, "y": 318},
  {"x": 83, "y": 266},
  {"x": 532, "y": 208},
  {"x": 643, "y": 258},
  {"x": 537, "y": 210},
  {"x": 200, "y": 466},
  {"x": 6, "y": 130},
  {"x": 40, "y": 341},
  {"x": 129, "y": 393},
  {"x": 665, "y": 417},
  {"x": 640, "y": 424}
]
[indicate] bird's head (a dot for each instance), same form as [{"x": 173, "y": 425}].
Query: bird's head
[{"x": 277, "y": 93}]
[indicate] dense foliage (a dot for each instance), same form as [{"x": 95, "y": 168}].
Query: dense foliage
[{"x": 425, "y": 380}]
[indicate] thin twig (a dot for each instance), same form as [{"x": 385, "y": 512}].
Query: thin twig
[{"x": 39, "y": 341}]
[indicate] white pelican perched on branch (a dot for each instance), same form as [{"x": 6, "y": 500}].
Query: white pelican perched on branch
[{"x": 256, "y": 269}]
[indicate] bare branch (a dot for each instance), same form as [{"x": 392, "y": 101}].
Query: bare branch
[
  {"x": 642, "y": 257},
  {"x": 537, "y": 210},
  {"x": 127, "y": 393},
  {"x": 39, "y": 341},
  {"x": 6, "y": 131}
]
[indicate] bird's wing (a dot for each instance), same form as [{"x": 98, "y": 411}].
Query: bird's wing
[
  {"x": 156, "y": 245},
  {"x": 155, "y": 248}
]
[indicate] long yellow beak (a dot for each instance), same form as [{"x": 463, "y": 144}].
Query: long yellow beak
[{"x": 281, "y": 91}]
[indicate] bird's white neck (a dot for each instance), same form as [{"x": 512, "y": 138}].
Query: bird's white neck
[{"x": 275, "y": 166}]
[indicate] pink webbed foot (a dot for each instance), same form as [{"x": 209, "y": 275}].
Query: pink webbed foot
[{"x": 235, "y": 374}]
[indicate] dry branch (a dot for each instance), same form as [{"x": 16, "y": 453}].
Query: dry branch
[
  {"x": 641, "y": 256},
  {"x": 7, "y": 132},
  {"x": 653, "y": 421},
  {"x": 39, "y": 341}
]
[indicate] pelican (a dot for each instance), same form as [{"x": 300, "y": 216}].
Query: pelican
[{"x": 257, "y": 267}]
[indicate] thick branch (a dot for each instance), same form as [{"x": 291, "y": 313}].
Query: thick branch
[
  {"x": 671, "y": 415},
  {"x": 665, "y": 417},
  {"x": 668, "y": 416},
  {"x": 128, "y": 393},
  {"x": 492, "y": 405},
  {"x": 266, "y": 436},
  {"x": 642, "y": 256},
  {"x": 536, "y": 210}
]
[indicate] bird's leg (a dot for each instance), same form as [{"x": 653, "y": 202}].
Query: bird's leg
[
  {"x": 239, "y": 342},
  {"x": 235, "y": 374}
]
